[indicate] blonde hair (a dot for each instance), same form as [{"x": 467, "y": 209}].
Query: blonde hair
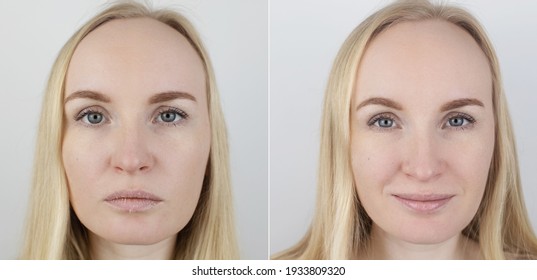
[
  {"x": 341, "y": 226},
  {"x": 54, "y": 232}
]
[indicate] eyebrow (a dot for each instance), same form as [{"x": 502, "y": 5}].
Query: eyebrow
[
  {"x": 170, "y": 95},
  {"x": 87, "y": 94},
  {"x": 157, "y": 98},
  {"x": 446, "y": 107},
  {"x": 460, "y": 103},
  {"x": 380, "y": 101}
]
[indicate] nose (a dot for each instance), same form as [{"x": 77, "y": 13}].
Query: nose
[
  {"x": 132, "y": 151},
  {"x": 422, "y": 157}
]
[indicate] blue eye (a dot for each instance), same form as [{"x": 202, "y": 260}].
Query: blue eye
[
  {"x": 460, "y": 121},
  {"x": 386, "y": 123},
  {"x": 91, "y": 116},
  {"x": 171, "y": 116},
  {"x": 94, "y": 118},
  {"x": 382, "y": 121}
]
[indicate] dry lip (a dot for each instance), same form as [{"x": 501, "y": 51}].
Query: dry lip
[{"x": 129, "y": 194}]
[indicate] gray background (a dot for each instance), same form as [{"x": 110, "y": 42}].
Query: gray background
[
  {"x": 235, "y": 32},
  {"x": 304, "y": 39}
]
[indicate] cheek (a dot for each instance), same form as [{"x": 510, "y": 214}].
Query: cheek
[
  {"x": 84, "y": 160},
  {"x": 374, "y": 164},
  {"x": 470, "y": 164},
  {"x": 184, "y": 152},
  {"x": 183, "y": 163}
]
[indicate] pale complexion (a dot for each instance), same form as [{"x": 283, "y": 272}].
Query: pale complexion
[
  {"x": 136, "y": 123},
  {"x": 422, "y": 129}
]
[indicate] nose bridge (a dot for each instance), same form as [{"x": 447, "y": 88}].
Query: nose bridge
[
  {"x": 131, "y": 148},
  {"x": 423, "y": 158}
]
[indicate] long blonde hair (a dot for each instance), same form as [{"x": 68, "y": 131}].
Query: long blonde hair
[
  {"x": 54, "y": 232},
  {"x": 341, "y": 226}
]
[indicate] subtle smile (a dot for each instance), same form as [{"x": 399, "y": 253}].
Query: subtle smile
[{"x": 424, "y": 203}]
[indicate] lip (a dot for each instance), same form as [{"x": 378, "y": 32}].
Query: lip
[
  {"x": 424, "y": 203},
  {"x": 133, "y": 201}
]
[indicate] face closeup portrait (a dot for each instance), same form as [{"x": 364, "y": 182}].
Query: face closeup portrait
[
  {"x": 137, "y": 135},
  {"x": 422, "y": 138},
  {"x": 418, "y": 153}
]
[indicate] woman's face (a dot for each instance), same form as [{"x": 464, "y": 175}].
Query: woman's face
[
  {"x": 137, "y": 133},
  {"x": 422, "y": 129}
]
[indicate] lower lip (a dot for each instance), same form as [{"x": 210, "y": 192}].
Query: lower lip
[
  {"x": 132, "y": 205},
  {"x": 424, "y": 206}
]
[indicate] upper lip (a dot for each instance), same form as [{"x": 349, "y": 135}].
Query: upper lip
[
  {"x": 424, "y": 197},
  {"x": 133, "y": 194}
]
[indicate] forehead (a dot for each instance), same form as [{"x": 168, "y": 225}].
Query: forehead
[
  {"x": 141, "y": 53},
  {"x": 420, "y": 59}
]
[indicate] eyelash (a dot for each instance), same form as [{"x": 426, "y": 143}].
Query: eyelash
[
  {"x": 155, "y": 119},
  {"x": 91, "y": 110},
  {"x": 372, "y": 122},
  {"x": 389, "y": 116},
  {"x": 470, "y": 119},
  {"x": 182, "y": 114}
]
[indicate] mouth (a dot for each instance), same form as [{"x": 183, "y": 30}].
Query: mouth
[
  {"x": 424, "y": 203},
  {"x": 133, "y": 201}
]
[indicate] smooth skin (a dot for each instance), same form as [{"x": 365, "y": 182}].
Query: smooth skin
[
  {"x": 136, "y": 120},
  {"x": 422, "y": 124}
]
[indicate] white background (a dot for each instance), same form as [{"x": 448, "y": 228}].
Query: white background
[
  {"x": 304, "y": 39},
  {"x": 413, "y": 270},
  {"x": 235, "y": 32}
]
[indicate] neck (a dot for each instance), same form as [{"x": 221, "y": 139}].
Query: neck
[
  {"x": 385, "y": 246},
  {"x": 101, "y": 249}
]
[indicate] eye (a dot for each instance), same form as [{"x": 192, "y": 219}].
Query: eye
[
  {"x": 171, "y": 116},
  {"x": 91, "y": 116},
  {"x": 382, "y": 121},
  {"x": 94, "y": 118},
  {"x": 460, "y": 121}
]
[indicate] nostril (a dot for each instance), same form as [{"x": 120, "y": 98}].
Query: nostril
[
  {"x": 131, "y": 159},
  {"x": 144, "y": 168}
]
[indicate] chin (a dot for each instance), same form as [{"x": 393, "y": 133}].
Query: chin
[
  {"x": 425, "y": 233},
  {"x": 425, "y": 238},
  {"x": 134, "y": 233},
  {"x": 136, "y": 238}
]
